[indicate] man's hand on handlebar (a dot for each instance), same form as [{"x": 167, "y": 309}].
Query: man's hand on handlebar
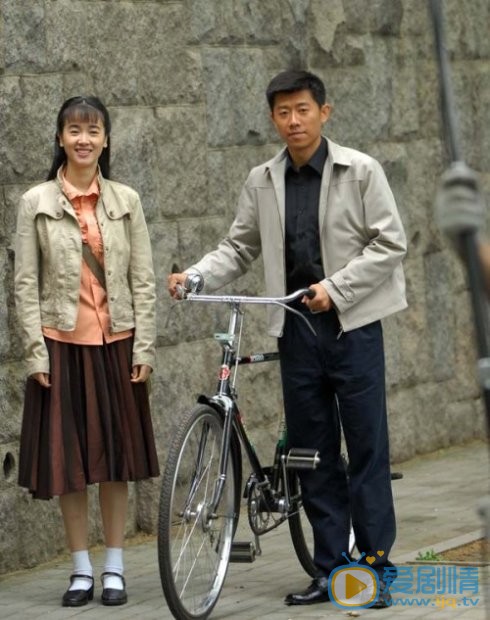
[
  {"x": 175, "y": 284},
  {"x": 181, "y": 284},
  {"x": 321, "y": 302}
]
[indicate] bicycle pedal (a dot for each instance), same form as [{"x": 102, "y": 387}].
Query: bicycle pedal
[
  {"x": 242, "y": 552},
  {"x": 302, "y": 458}
]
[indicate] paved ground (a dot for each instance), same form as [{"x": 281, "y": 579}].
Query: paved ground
[{"x": 436, "y": 506}]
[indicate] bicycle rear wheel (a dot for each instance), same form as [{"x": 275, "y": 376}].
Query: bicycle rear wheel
[
  {"x": 301, "y": 531},
  {"x": 300, "y": 528},
  {"x": 193, "y": 543}
]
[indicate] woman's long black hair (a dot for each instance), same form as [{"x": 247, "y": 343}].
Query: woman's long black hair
[{"x": 85, "y": 109}]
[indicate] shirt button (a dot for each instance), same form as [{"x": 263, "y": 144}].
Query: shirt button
[
  {"x": 111, "y": 213},
  {"x": 58, "y": 213}
]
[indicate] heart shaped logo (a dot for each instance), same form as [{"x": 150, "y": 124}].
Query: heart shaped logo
[
  {"x": 370, "y": 559},
  {"x": 380, "y": 553}
]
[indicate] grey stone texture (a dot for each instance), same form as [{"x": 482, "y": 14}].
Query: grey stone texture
[{"x": 184, "y": 81}]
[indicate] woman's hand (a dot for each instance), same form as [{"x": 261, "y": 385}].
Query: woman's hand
[
  {"x": 140, "y": 373},
  {"x": 42, "y": 378}
]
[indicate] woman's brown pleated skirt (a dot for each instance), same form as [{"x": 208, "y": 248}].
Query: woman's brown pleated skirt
[{"x": 91, "y": 425}]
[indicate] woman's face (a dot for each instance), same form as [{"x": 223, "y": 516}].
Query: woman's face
[{"x": 83, "y": 141}]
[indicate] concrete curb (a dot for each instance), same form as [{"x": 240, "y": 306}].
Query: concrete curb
[{"x": 445, "y": 545}]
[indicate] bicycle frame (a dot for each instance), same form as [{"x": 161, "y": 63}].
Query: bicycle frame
[
  {"x": 202, "y": 488},
  {"x": 224, "y": 400}
]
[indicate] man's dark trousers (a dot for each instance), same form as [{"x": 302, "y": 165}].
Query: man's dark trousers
[{"x": 326, "y": 377}]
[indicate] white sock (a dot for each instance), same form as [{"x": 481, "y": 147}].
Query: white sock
[
  {"x": 113, "y": 564},
  {"x": 81, "y": 566}
]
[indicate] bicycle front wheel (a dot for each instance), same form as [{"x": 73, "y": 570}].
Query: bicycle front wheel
[{"x": 194, "y": 542}]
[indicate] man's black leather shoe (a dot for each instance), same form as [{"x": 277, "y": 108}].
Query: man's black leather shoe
[
  {"x": 384, "y": 598},
  {"x": 78, "y": 598},
  {"x": 316, "y": 592}
]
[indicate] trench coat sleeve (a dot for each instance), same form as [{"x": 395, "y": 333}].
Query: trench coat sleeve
[
  {"x": 26, "y": 282},
  {"x": 237, "y": 250},
  {"x": 385, "y": 247},
  {"x": 142, "y": 284}
]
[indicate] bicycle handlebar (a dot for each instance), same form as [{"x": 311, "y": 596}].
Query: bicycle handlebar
[
  {"x": 194, "y": 283},
  {"x": 245, "y": 299}
]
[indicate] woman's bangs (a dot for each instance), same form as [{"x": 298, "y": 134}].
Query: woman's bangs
[{"x": 82, "y": 113}]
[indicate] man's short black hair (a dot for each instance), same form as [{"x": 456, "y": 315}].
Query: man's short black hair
[{"x": 294, "y": 80}]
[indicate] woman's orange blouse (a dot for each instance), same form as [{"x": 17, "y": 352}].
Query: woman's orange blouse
[{"x": 93, "y": 322}]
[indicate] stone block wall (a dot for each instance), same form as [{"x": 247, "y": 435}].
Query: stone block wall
[{"x": 184, "y": 81}]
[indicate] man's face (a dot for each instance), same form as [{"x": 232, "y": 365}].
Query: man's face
[{"x": 299, "y": 119}]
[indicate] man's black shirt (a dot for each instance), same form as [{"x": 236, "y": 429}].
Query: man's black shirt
[{"x": 303, "y": 254}]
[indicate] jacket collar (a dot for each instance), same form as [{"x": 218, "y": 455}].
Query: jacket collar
[
  {"x": 339, "y": 154},
  {"x": 336, "y": 153},
  {"x": 59, "y": 178},
  {"x": 276, "y": 167},
  {"x": 114, "y": 208},
  {"x": 63, "y": 201}
]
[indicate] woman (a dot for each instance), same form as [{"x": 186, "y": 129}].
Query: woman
[{"x": 85, "y": 296}]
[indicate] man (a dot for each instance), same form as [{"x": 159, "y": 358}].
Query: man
[{"x": 324, "y": 217}]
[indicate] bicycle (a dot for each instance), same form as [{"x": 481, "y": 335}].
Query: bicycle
[{"x": 202, "y": 484}]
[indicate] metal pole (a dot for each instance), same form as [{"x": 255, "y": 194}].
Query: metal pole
[{"x": 467, "y": 239}]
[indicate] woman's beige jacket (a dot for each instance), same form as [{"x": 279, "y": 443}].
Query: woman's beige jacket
[{"x": 48, "y": 257}]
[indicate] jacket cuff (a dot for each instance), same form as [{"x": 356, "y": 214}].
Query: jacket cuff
[
  {"x": 340, "y": 292},
  {"x": 143, "y": 358},
  {"x": 38, "y": 366}
]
